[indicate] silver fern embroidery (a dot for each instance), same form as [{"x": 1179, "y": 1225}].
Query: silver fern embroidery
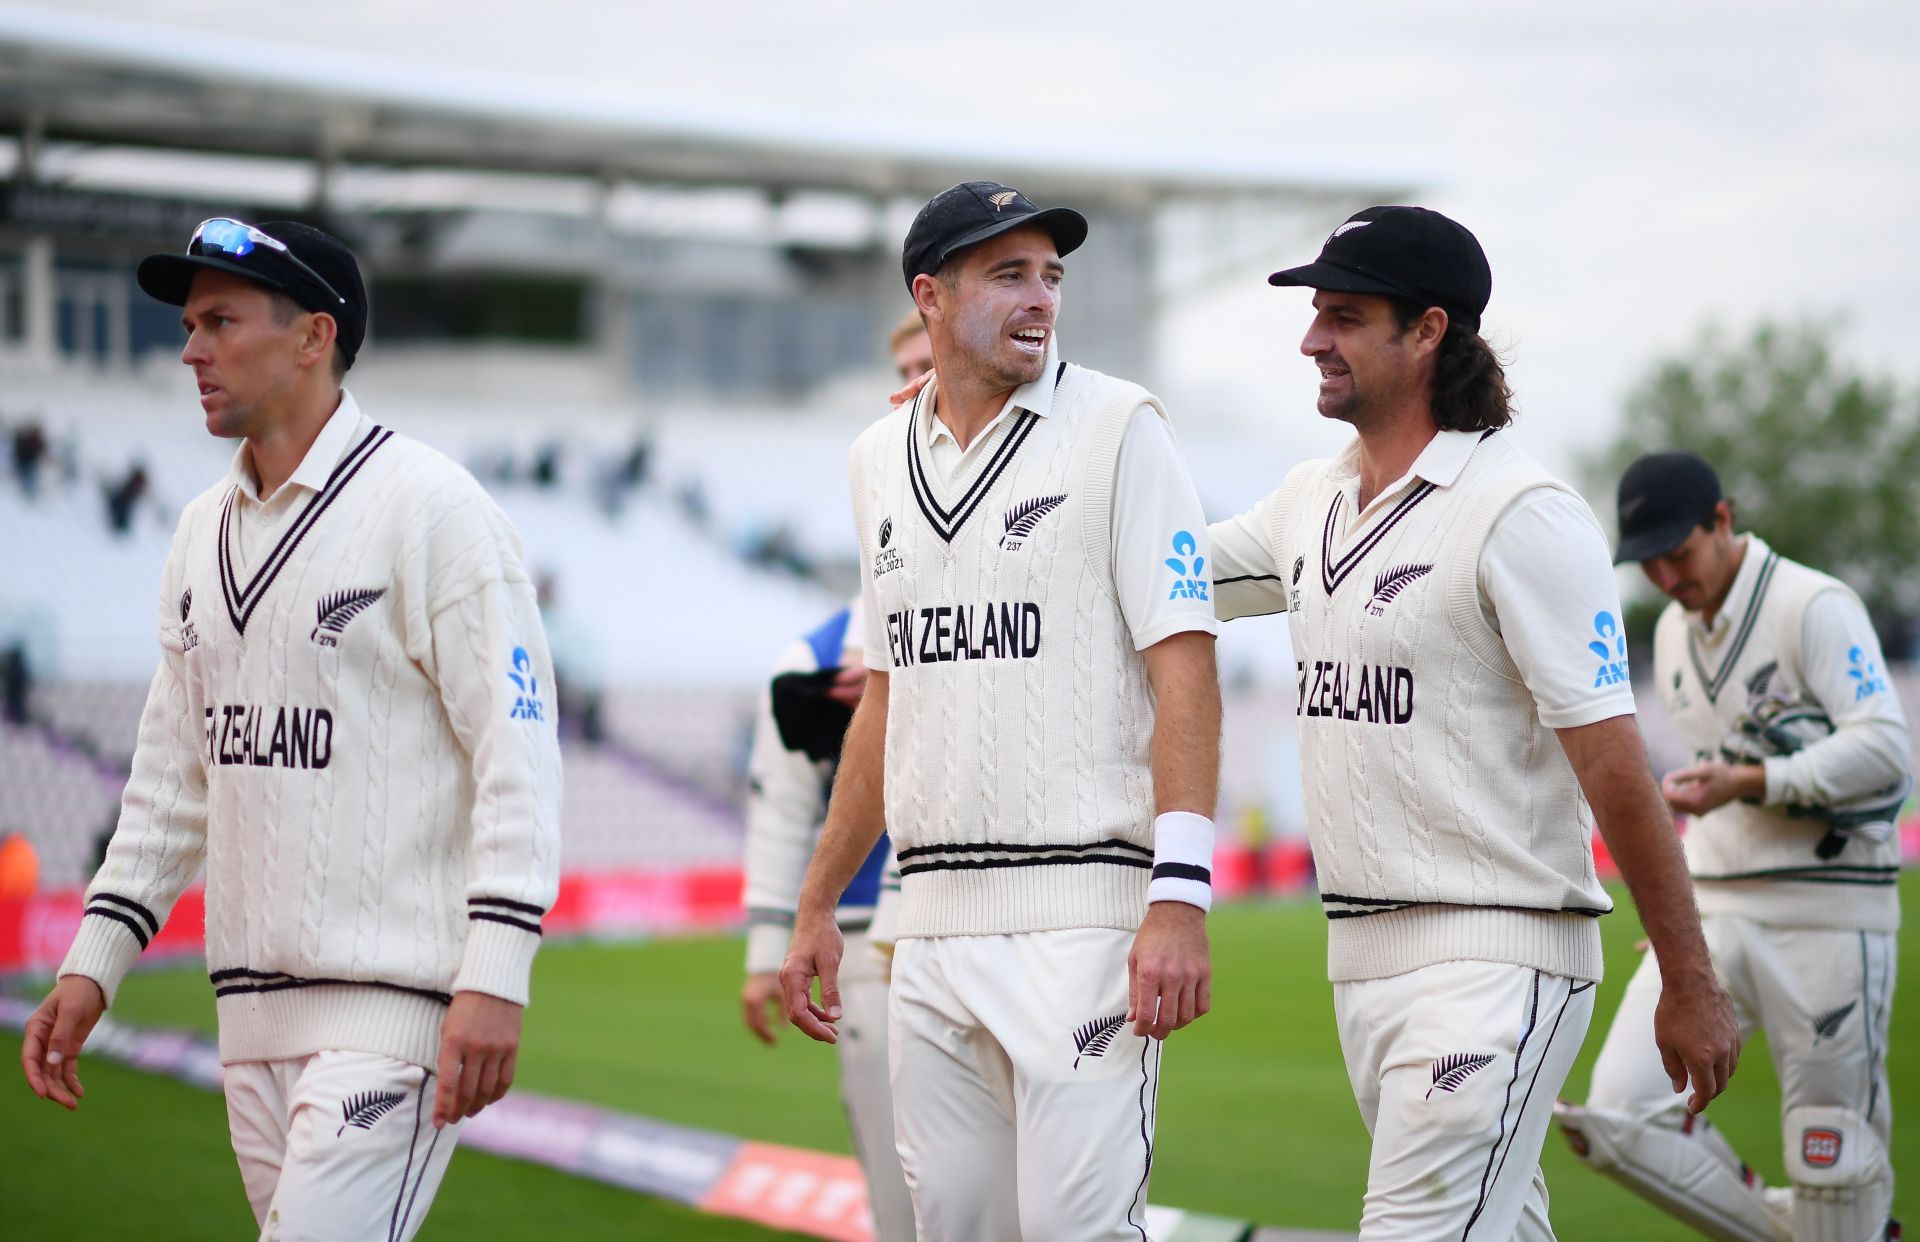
[
  {"x": 1828, "y": 1024},
  {"x": 1390, "y": 583},
  {"x": 339, "y": 608},
  {"x": 361, "y": 1111},
  {"x": 1022, "y": 518},
  {"x": 1762, "y": 679},
  {"x": 1096, "y": 1037},
  {"x": 1450, "y": 1073}
]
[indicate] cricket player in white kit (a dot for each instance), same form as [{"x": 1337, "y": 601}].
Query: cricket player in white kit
[
  {"x": 1040, "y": 735},
  {"x": 797, "y": 734},
  {"x": 1772, "y": 673},
  {"x": 351, "y": 725},
  {"x": 1464, "y": 717}
]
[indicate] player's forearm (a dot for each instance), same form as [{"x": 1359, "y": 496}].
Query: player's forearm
[
  {"x": 158, "y": 842},
  {"x": 856, "y": 813},
  {"x": 1610, "y": 761},
  {"x": 1186, "y": 727},
  {"x": 1861, "y": 757}
]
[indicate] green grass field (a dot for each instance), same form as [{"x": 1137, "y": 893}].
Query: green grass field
[{"x": 1256, "y": 1120}]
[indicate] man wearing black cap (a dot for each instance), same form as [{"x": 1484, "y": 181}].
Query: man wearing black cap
[
  {"x": 1465, "y": 717},
  {"x": 1772, "y": 673},
  {"x": 351, "y": 726},
  {"x": 1044, "y": 705}
]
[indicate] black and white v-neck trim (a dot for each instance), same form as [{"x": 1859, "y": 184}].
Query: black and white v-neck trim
[
  {"x": 946, "y": 522},
  {"x": 1334, "y": 572},
  {"x": 242, "y": 601},
  {"x": 1714, "y": 683}
]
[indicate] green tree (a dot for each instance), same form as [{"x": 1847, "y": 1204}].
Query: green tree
[{"x": 1820, "y": 459}]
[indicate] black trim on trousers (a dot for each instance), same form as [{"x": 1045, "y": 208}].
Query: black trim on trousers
[{"x": 419, "y": 1108}]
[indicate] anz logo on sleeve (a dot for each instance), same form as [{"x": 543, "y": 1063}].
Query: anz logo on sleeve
[
  {"x": 1865, "y": 674},
  {"x": 1611, "y": 647},
  {"x": 526, "y": 689},
  {"x": 1189, "y": 578}
]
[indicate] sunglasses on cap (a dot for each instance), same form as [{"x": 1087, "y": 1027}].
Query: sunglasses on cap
[{"x": 237, "y": 239}]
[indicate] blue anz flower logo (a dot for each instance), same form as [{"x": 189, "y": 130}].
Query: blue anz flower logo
[
  {"x": 1188, "y": 583},
  {"x": 1867, "y": 680},
  {"x": 526, "y": 686},
  {"x": 1611, "y": 647}
]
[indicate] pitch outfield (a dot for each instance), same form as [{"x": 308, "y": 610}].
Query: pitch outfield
[{"x": 1255, "y": 1118}]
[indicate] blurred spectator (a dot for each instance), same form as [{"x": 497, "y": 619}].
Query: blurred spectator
[
  {"x": 124, "y": 497},
  {"x": 635, "y": 465},
  {"x": 16, "y": 684},
  {"x": 692, "y": 498},
  {"x": 579, "y": 681},
  {"x": 29, "y": 452},
  {"x": 546, "y": 466},
  {"x": 19, "y": 867}
]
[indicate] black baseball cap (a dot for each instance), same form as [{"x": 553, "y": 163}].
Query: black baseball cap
[
  {"x": 973, "y": 211},
  {"x": 1663, "y": 497},
  {"x": 313, "y": 268},
  {"x": 1410, "y": 253}
]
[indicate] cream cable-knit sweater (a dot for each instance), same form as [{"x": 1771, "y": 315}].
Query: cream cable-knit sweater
[
  {"x": 1018, "y": 787},
  {"x": 356, "y": 733}
]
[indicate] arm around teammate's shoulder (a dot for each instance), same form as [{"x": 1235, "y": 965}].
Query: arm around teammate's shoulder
[{"x": 1694, "y": 1023}]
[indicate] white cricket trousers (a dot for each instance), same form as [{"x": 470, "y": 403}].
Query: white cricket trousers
[
  {"x": 1455, "y": 1068},
  {"x": 865, "y": 1091},
  {"x": 1023, "y": 1102},
  {"x": 1824, "y": 999},
  {"x": 337, "y": 1146}
]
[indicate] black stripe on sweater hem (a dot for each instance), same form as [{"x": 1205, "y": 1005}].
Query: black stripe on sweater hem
[
  {"x": 266, "y": 981},
  {"x": 991, "y": 864},
  {"x": 504, "y": 904},
  {"x": 510, "y": 921},
  {"x": 153, "y": 924},
  {"x": 1388, "y": 905},
  {"x": 1011, "y": 847},
  {"x": 139, "y": 933},
  {"x": 1840, "y": 874}
]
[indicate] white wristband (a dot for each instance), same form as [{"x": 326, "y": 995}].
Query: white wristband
[{"x": 1182, "y": 859}]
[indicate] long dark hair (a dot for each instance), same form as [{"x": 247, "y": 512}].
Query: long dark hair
[{"x": 1470, "y": 391}]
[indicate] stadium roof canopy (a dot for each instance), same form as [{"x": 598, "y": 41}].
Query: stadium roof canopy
[{"x": 81, "y": 78}]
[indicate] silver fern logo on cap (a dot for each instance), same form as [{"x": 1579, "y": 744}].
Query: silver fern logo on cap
[{"x": 1003, "y": 200}]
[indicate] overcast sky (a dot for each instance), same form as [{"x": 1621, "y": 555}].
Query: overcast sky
[{"x": 1633, "y": 169}]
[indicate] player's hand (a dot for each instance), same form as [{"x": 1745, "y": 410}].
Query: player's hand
[
  {"x": 1169, "y": 975},
  {"x": 911, "y": 389},
  {"x": 479, "y": 1041},
  {"x": 50, "y": 1051},
  {"x": 1708, "y": 786},
  {"x": 814, "y": 953},
  {"x": 1698, "y": 1036},
  {"x": 760, "y": 1003},
  {"x": 848, "y": 685}
]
